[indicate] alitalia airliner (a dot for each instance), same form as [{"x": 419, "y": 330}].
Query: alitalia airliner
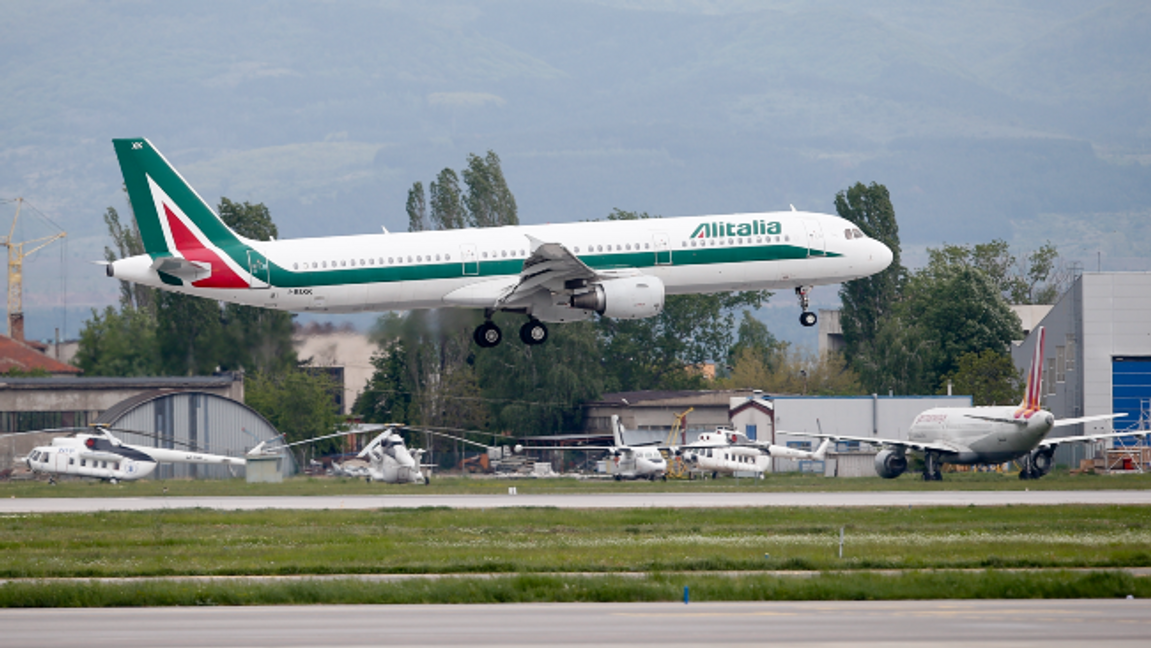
[{"x": 548, "y": 273}]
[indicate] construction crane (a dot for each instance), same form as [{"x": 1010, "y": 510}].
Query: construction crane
[
  {"x": 16, "y": 255},
  {"x": 676, "y": 469}
]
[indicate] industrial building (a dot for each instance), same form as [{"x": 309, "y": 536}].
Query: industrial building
[{"x": 1097, "y": 356}]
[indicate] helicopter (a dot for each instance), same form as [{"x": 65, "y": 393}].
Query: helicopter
[{"x": 96, "y": 453}]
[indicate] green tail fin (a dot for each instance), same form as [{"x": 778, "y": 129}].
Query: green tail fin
[{"x": 153, "y": 187}]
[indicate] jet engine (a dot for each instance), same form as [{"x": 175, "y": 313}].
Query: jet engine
[
  {"x": 890, "y": 464},
  {"x": 624, "y": 298}
]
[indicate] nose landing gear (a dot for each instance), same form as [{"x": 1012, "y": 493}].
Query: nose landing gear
[{"x": 806, "y": 318}]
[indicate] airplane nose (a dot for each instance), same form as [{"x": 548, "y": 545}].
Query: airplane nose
[{"x": 881, "y": 256}]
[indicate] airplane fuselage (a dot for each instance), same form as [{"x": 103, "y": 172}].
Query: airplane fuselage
[
  {"x": 473, "y": 267},
  {"x": 977, "y": 440},
  {"x": 638, "y": 463}
]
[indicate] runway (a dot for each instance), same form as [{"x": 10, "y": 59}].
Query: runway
[
  {"x": 1014, "y": 623},
  {"x": 584, "y": 501}
]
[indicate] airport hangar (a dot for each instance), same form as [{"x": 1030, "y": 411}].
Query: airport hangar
[
  {"x": 205, "y": 411},
  {"x": 1097, "y": 357}
]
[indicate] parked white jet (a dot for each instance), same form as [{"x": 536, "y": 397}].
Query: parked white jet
[
  {"x": 982, "y": 435},
  {"x": 730, "y": 451},
  {"x": 549, "y": 273},
  {"x": 628, "y": 462},
  {"x": 100, "y": 455}
]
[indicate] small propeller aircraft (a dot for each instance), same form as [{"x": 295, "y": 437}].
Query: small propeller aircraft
[
  {"x": 96, "y": 453},
  {"x": 730, "y": 451}
]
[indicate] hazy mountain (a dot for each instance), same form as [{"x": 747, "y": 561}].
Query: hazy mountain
[{"x": 978, "y": 115}]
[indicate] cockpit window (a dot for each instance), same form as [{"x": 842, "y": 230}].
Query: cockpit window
[{"x": 858, "y": 234}]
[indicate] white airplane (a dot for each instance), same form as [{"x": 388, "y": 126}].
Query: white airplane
[
  {"x": 982, "y": 435},
  {"x": 549, "y": 273},
  {"x": 628, "y": 462},
  {"x": 730, "y": 451},
  {"x": 101, "y": 455}
]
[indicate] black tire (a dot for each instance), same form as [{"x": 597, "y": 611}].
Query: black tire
[
  {"x": 534, "y": 332},
  {"x": 1041, "y": 463},
  {"x": 488, "y": 335},
  {"x": 807, "y": 318}
]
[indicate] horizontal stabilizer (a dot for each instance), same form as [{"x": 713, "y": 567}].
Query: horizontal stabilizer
[{"x": 181, "y": 268}]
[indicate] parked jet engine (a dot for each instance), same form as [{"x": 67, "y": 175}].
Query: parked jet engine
[
  {"x": 890, "y": 464},
  {"x": 624, "y": 298}
]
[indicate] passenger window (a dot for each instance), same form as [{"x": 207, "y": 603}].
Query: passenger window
[
  {"x": 83, "y": 463},
  {"x": 71, "y": 461},
  {"x": 447, "y": 257}
]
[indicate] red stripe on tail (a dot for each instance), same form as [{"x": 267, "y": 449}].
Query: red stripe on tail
[{"x": 193, "y": 249}]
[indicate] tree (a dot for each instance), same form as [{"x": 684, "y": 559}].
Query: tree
[
  {"x": 188, "y": 334},
  {"x": 447, "y": 207},
  {"x": 539, "y": 389},
  {"x": 989, "y": 376},
  {"x": 756, "y": 339},
  {"x": 417, "y": 208},
  {"x": 794, "y": 372},
  {"x": 118, "y": 344},
  {"x": 489, "y": 201},
  {"x": 387, "y": 398},
  {"x": 1034, "y": 279},
  {"x": 297, "y": 403},
  {"x": 867, "y": 301}
]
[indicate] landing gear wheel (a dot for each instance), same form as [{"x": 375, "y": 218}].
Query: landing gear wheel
[
  {"x": 931, "y": 467},
  {"x": 1040, "y": 464},
  {"x": 807, "y": 318},
  {"x": 487, "y": 335},
  {"x": 533, "y": 333}
]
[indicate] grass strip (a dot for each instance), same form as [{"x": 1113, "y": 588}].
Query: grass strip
[
  {"x": 455, "y": 485},
  {"x": 545, "y": 540},
  {"x": 539, "y": 588}
]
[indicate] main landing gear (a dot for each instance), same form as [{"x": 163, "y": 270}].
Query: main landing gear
[
  {"x": 488, "y": 335},
  {"x": 807, "y": 318},
  {"x": 932, "y": 467}
]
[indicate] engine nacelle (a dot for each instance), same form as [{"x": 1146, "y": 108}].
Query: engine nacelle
[
  {"x": 890, "y": 464},
  {"x": 624, "y": 298}
]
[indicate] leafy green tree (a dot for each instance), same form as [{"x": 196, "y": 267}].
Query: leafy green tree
[
  {"x": 900, "y": 359},
  {"x": 188, "y": 334},
  {"x": 989, "y": 376},
  {"x": 1034, "y": 279},
  {"x": 489, "y": 201},
  {"x": 539, "y": 389},
  {"x": 417, "y": 208},
  {"x": 446, "y": 202},
  {"x": 867, "y": 301},
  {"x": 387, "y": 398},
  {"x": 754, "y": 337},
  {"x": 119, "y": 343},
  {"x": 297, "y": 403}
]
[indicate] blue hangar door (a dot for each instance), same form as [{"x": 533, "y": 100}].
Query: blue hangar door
[{"x": 1130, "y": 391}]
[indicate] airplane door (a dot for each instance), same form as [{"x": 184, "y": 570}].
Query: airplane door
[
  {"x": 815, "y": 242},
  {"x": 471, "y": 261},
  {"x": 258, "y": 266},
  {"x": 662, "y": 249}
]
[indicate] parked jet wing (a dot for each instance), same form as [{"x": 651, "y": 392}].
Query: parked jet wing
[
  {"x": 1051, "y": 443},
  {"x": 1088, "y": 419},
  {"x": 938, "y": 446}
]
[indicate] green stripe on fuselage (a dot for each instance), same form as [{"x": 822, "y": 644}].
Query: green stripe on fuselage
[{"x": 283, "y": 278}]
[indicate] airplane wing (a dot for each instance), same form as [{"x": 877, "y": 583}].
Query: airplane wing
[
  {"x": 938, "y": 446},
  {"x": 1051, "y": 443},
  {"x": 1089, "y": 419},
  {"x": 550, "y": 265}
]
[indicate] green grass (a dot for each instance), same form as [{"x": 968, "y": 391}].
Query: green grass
[
  {"x": 781, "y": 482},
  {"x": 547, "y": 540},
  {"x": 543, "y": 588}
]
